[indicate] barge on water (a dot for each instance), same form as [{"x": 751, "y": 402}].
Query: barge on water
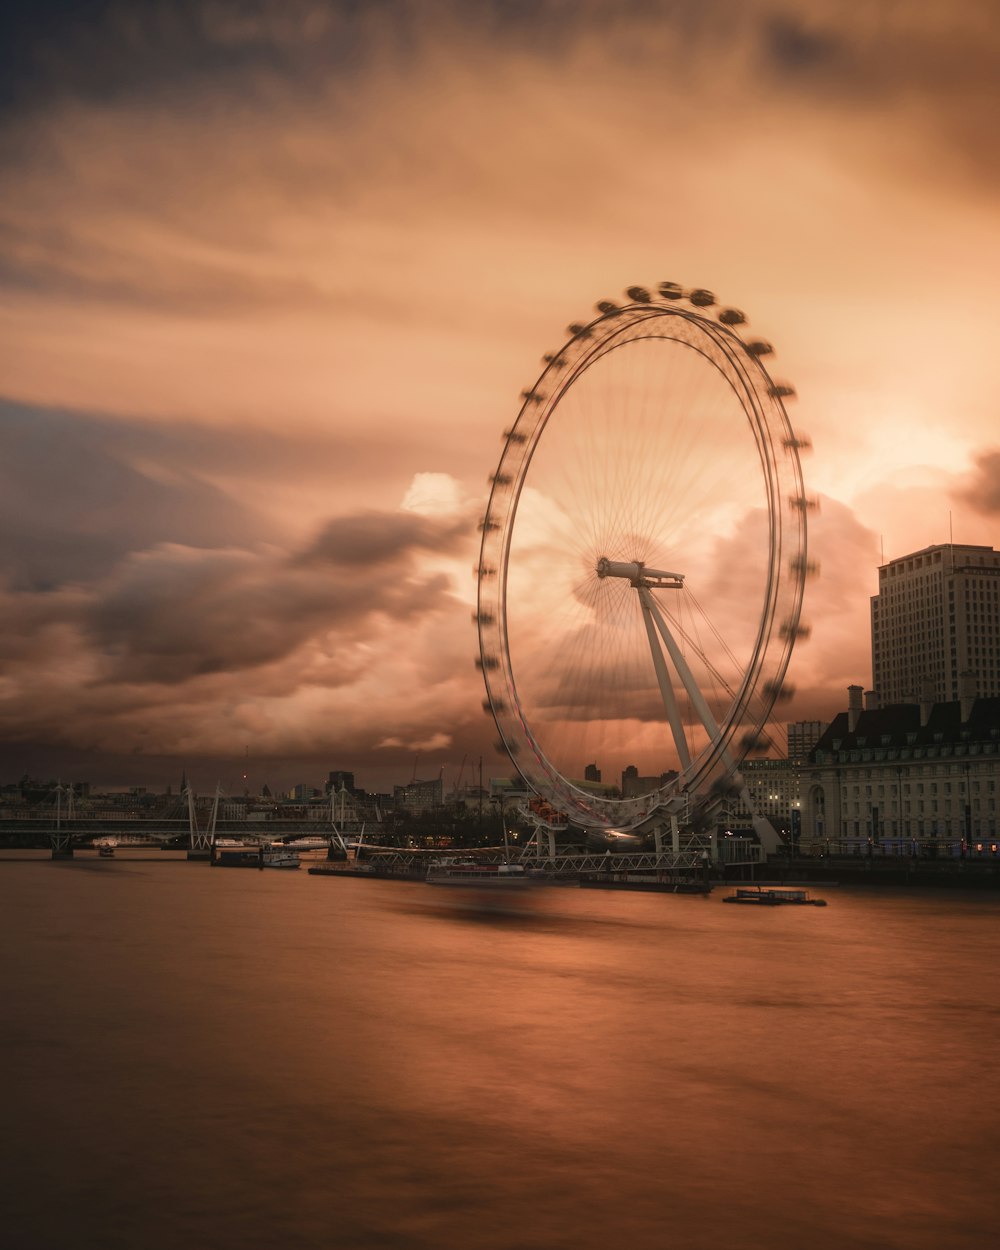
[
  {"x": 471, "y": 873},
  {"x": 263, "y": 856},
  {"x": 661, "y": 884},
  {"x": 770, "y": 896}
]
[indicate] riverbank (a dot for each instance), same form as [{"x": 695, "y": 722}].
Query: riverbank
[{"x": 898, "y": 871}]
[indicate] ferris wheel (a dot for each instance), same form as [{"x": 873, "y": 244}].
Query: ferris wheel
[{"x": 643, "y": 560}]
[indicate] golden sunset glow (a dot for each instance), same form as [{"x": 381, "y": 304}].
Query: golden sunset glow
[{"x": 274, "y": 275}]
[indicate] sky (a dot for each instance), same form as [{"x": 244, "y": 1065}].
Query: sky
[{"x": 272, "y": 278}]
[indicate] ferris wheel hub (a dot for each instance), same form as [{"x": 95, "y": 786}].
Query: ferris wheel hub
[{"x": 638, "y": 573}]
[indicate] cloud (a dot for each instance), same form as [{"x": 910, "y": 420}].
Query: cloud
[
  {"x": 982, "y": 489},
  {"x": 273, "y": 276},
  {"x": 836, "y": 610},
  {"x": 382, "y": 539},
  {"x": 78, "y": 493}
]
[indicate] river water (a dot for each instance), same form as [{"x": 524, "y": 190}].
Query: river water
[{"x": 214, "y": 1059}]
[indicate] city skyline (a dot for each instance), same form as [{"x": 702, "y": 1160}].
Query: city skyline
[{"x": 275, "y": 276}]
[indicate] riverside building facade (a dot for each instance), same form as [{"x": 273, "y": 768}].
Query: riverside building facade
[{"x": 908, "y": 779}]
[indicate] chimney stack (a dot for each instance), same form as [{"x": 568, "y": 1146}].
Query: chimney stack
[
  {"x": 966, "y": 693},
  {"x": 926, "y": 700},
  {"x": 854, "y": 694}
]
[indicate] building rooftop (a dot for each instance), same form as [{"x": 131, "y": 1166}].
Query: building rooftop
[{"x": 898, "y": 726}]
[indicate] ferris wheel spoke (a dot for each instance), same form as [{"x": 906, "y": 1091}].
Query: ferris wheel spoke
[{"x": 653, "y": 440}]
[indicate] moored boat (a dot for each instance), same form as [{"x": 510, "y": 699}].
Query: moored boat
[
  {"x": 471, "y": 873},
  {"x": 661, "y": 883},
  {"x": 263, "y": 856},
  {"x": 772, "y": 896}
]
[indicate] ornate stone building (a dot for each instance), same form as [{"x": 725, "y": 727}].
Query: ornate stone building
[{"x": 908, "y": 778}]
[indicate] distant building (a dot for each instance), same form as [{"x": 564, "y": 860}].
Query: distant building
[
  {"x": 339, "y": 780},
  {"x": 302, "y": 793},
  {"x": 633, "y": 785},
  {"x": 419, "y": 796},
  {"x": 802, "y": 736},
  {"x": 592, "y": 773},
  {"x": 773, "y": 786},
  {"x": 935, "y": 617}
]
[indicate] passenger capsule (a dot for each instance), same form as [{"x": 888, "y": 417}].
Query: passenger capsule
[
  {"x": 805, "y": 566},
  {"x": 671, "y": 290},
  {"x": 779, "y": 691},
  {"x": 504, "y": 748},
  {"x": 500, "y": 479},
  {"x": 483, "y": 618},
  {"x": 758, "y": 347},
  {"x": 487, "y": 663},
  {"x": 483, "y": 571},
  {"x": 794, "y": 630},
  {"x": 532, "y": 396},
  {"x": 486, "y": 526},
  {"x": 578, "y": 330},
  {"x": 798, "y": 442},
  {"x": 702, "y": 298},
  {"x": 515, "y": 436},
  {"x": 638, "y": 294},
  {"x": 730, "y": 316},
  {"x": 607, "y": 307},
  {"x": 781, "y": 390},
  {"x": 803, "y": 503},
  {"x": 723, "y": 788}
]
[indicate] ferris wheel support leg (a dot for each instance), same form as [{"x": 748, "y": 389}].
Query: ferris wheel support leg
[
  {"x": 680, "y": 664},
  {"x": 663, "y": 678}
]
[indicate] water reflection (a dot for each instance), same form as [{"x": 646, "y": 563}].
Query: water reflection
[{"x": 255, "y": 1059}]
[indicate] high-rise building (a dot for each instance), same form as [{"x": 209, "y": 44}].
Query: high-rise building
[
  {"x": 936, "y": 617},
  {"x": 419, "y": 796},
  {"x": 633, "y": 785},
  {"x": 338, "y": 779},
  {"x": 803, "y": 736}
]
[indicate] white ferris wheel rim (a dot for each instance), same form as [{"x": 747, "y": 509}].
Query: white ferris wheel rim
[{"x": 738, "y": 362}]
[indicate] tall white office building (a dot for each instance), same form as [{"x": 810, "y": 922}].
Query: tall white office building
[{"x": 937, "y": 616}]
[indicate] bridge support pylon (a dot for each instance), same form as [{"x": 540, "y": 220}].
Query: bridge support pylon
[
  {"x": 62, "y": 846},
  {"x": 202, "y": 840}
]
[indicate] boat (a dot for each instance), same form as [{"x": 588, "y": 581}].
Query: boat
[
  {"x": 469, "y": 872},
  {"x": 263, "y": 856},
  {"x": 660, "y": 884},
  {"x": 771, "y": 896}
]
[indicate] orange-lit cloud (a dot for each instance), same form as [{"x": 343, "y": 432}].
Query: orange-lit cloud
[{"x": 273, "y": 276}]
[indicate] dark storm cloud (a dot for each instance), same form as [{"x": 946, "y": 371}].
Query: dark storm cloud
[
  {"x": 80, "y": 491},
  {"x": 173, "y": 614},
  {"x": 113, "y": 548},
  {"x": 982, "y": 488},
  {"x": 73, "y": 501},
  {"x": 103, "y": 51},
  {"x": 385, "y": 539}
]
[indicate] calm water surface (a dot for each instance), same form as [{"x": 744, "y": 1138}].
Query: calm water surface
[{"x": 214, "y": 1059}]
